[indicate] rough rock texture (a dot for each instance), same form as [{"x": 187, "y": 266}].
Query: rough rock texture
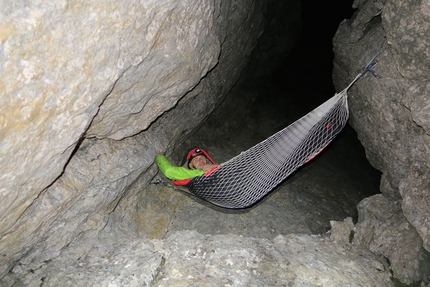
[
  {"x": 189, "y": 258},
  {"x": 81, "y": 84},
  {"x": 90, "y": 92},
  {"x": 384, "y": 230},
  {"x": 57, "y": 72},
  {"x": 342, "y": 231},
  {"x": 391, "y": 114}
]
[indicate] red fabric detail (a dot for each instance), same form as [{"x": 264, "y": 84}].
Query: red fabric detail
[
  {"x": 329, "y": 125},
  {"x": 181, "y": 182},
  {"x": 317, "y": 153},
  {"x": 208, "y": 173}
]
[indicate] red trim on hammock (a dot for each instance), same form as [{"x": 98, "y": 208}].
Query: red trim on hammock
[
  {"x": 317, "y": 153},
  {"x": 181, "y": 182},
  {"x": 208, "y": 173}
]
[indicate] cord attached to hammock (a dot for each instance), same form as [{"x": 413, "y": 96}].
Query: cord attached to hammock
[
  {"x": 367, "y": 68},
  {"x": 246, "y": 178}
]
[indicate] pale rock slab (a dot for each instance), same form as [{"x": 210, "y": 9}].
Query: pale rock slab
[{"x": 188, "y": 258}]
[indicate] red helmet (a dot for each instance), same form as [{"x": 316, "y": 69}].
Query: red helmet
[{"x": 192, "y": 153}]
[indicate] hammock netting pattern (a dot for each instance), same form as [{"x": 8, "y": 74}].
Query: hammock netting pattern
[{"x": 246, "y": 178}]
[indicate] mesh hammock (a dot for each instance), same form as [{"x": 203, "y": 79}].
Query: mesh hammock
[{"x": 246, "y": 178}]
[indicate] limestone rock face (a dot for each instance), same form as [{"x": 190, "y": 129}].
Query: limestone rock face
[
  {"x": 391, "y": 114},
  {"x": 79, "y": 80},
  {"x": 188, "y": 258},
  {"x": 384, "y": 230}
]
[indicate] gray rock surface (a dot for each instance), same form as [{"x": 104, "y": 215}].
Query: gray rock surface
[
  {"x": 384, "y": 230},
  {"x": 188, "y": 258},
  {"x": 342, "y": 231},
  {"x": 63, "y": 64},
  {"x": 90, "y": 92},
  {"x": 390, "y": 114},
  {"x": 81, "y": 84}
]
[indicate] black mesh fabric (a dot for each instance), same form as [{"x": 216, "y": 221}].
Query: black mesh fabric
[{"x": 246, "y": 178}]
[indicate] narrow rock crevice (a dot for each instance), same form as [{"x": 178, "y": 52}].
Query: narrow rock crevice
[{"x": 90, "y": 95}]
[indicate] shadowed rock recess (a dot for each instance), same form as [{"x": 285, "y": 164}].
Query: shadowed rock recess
[{"x": 91, "y": 92}]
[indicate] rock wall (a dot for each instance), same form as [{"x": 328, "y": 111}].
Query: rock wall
[
  {"x": 391, "y": 117},
  {"x": 87, "y": 97}
]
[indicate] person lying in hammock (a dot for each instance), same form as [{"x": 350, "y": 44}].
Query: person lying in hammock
[{"x": 198, "y": 162}]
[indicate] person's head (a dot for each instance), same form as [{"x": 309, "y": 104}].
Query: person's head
[
  {"x": 197, "y": 162},
  {"x": 196, "y": 158}
]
